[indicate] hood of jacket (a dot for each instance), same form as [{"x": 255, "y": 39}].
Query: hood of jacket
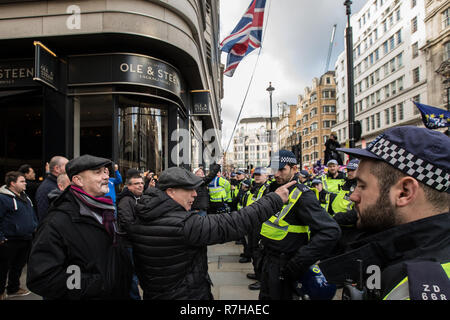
[
  {"x": 4, "y": 190},
  {"x": 155, "y": 203}
]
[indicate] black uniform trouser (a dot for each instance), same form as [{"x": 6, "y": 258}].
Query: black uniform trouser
[
  {"x": 254, "y": 250},
  {"x": 272, "y": 287},
  {"x": 13, "y": 257}
]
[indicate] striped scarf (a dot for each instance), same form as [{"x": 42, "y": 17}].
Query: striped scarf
[{"x": 103, "y": 206}]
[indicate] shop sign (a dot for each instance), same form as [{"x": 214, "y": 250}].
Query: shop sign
[
  {"x": 47, "y": 66},
  {"x": 200, "y": 103},
  {"x": 16, "y": 73},
  {"x": 124, "y": 68}
]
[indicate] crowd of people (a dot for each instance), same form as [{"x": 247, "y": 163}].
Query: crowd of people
[{"x": 155, "y": 231}]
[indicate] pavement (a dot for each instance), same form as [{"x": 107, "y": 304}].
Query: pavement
[{"x": 227, "y": 274}]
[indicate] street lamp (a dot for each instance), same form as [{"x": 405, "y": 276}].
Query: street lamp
[
  {"x": 270, "y": 89},
  {"x": 351, "y": 98}
]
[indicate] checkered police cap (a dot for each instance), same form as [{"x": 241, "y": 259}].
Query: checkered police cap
[{"x": 418, "y": 152}]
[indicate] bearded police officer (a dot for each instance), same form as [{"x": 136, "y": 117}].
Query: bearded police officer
[
  {"x": 295, "y": 237},
  {"x": 170, "y": 241},
  {"x": 402, "y": 194}
]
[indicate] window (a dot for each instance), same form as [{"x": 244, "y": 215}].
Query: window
[
  {"x": 446, "y": 51},
  {"x": 368, "y": 124},
  {"x": 416, "y": 99},
  {"x": 400, "y": 111},
  {"x": 400, "y": 60},
  {"x": 314, "y": 126},
  {"x": 446, "y": 18},
  {"x": 377, "y": 54},
  {"x": 386, "y": 116},
  {"x": 385, "y": 26},
  {"x": 385, "y": 47},
  {"x": 378, "y": 95},
  {"x": 387, "y": 93},
  {"x": 328, "y": 123},
  {"x": 415, "y": 49},
  {"x": 329, "y": 109},
  {"x": 378, "y": 120},
  {"x": 416, "y": 75},
  {"x": 394, "y": 114},
  {"x": 372, "y": 121},
  {"x": 400, "y": 84},
  {"x": 391, "y": 43},
  {"x": 414, "y": 25},
  {"x": 397, "y": 14},
  {"x": 393, "y": 88},
  {"x": 399, "y": 36}
]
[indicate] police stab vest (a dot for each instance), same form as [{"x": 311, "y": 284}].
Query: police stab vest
[
  {"x": 252, "y": 198},
  {"x": 217, "y": 191},
  {"x": 426, "y": 283},
  {"x": 330, "y": 184},
  {"x": 276, "y": 228},
  {"x": 342, "y": 202}
]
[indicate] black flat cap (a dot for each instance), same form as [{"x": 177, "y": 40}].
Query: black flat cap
[
  {"x": 176, "y": 177},
  {"x": 85, "y": 162}
]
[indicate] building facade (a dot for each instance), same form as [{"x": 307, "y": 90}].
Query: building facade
[
  {"x": 437, "y": 52},
  {"x": 389, "y": 68},
  {"x": 286, "y": 124},
  {"x": 135, "y": 81},
  {"x": 252, "y": 144},
  {"x": 315, "y": 117}
]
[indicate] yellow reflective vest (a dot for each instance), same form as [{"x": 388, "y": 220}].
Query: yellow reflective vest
[
  {"x": 276, "y": 228},
  {"x": 219, "y": 190}
]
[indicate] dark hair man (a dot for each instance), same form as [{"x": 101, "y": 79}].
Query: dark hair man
[
  {"x": 170, "y": 241},
  {"x": 32, "y": 184},
  {"x": 76, "y": 253},
  {"x": 57, "y": 166},
  {"x": 294, "y": 238},
  {"x": 402, "y": 194},
  {"x": 17, "y": 224}
]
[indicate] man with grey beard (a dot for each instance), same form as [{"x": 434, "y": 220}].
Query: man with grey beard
[{"x": 402, "y": 195}]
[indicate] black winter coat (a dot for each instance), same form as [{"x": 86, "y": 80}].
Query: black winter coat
[
  {"x": 42, "y": 192},
  {"x": 170, "y": 244},
  {"x": 67, "y": 237}
]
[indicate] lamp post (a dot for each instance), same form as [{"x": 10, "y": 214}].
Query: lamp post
[
  {"x": 270, "y": 89},
  {"x": 351, "y": 98}
]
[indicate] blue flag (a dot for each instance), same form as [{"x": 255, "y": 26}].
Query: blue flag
[{"x": 433, "y": 117}]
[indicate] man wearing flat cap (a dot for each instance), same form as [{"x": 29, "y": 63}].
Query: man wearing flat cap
[
  {"x": 402, "y": 195},
  {"x": 295, "y": 237},
  {"x": 76, "y": 253},
  {"x": 170, "y": 241}
]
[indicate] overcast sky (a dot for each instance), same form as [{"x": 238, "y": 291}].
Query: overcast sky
[{"x": 295, "y": 50}]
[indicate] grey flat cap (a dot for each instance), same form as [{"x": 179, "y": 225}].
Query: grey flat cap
[
  {"x": 176, "y": 177},
  {"x": 85, "y": 162}
]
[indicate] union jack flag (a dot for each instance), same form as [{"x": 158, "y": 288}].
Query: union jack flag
[{"x": 245, "y": 37}]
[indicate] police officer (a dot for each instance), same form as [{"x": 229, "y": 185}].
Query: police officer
[
  {"x": 219, "y": 195},
  {"x": 402, "y": 194},
  {"x": 304, "y": 177},
  {"x": 334, "y": 178},
  {"x": 259, "y": 187},
  {"x": 325, "y": 198},
  {"x": 288, "y": 250}
]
